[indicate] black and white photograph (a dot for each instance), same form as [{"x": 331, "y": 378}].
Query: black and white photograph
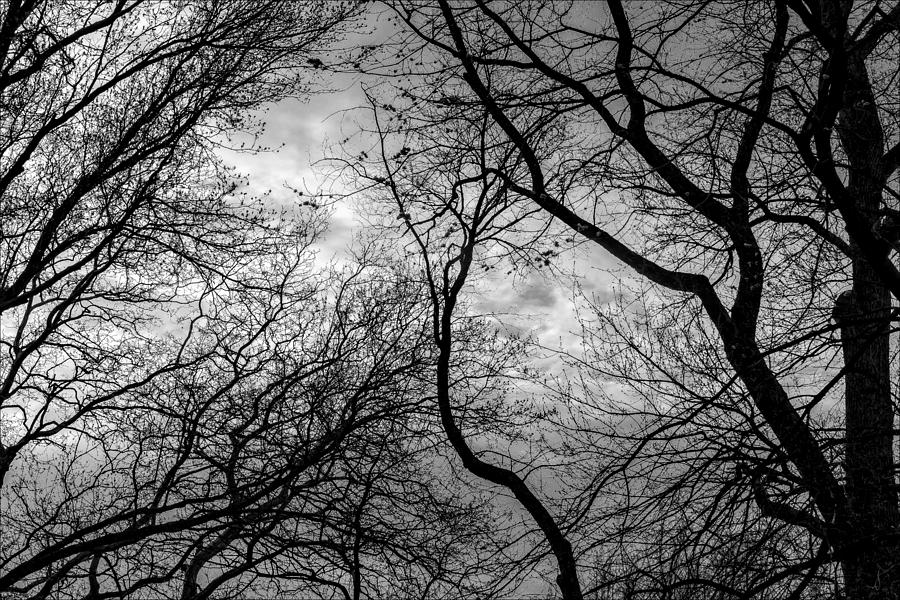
[{"x": 449, "y": 300}]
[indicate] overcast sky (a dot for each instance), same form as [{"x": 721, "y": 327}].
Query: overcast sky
[{"x": 301, "y": 133}]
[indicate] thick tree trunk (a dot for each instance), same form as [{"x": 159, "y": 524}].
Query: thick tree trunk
[
  {"x": 871, "y": 564},
  {"x": 870, "y": 557}
]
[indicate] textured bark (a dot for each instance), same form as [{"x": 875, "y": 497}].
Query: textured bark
[{"x": 871, "y": 564}]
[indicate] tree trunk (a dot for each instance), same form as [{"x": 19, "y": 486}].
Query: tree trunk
[
  {"x": 871, "y": 562},
  {"x": 869, "y": 553}
]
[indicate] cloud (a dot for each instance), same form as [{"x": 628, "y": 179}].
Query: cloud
[{"x": 537, "y": 294}]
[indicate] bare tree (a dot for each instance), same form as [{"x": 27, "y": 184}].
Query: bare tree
[
  {"x": 176, "y": 379},
  {"x": 458, "y": 219},
  {"x": 736, "y": 157},
  {"x": 112, "y": 200},
  {"x": 206, "y": 476},
  {"x": 192, "y": 406}
]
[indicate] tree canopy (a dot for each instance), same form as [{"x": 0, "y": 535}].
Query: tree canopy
[
  {"x": 736, "y": 158},
  {"x": 195, "y": 404}
]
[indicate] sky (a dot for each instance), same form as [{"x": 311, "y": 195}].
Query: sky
[{"x": 303, "y": 133}]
